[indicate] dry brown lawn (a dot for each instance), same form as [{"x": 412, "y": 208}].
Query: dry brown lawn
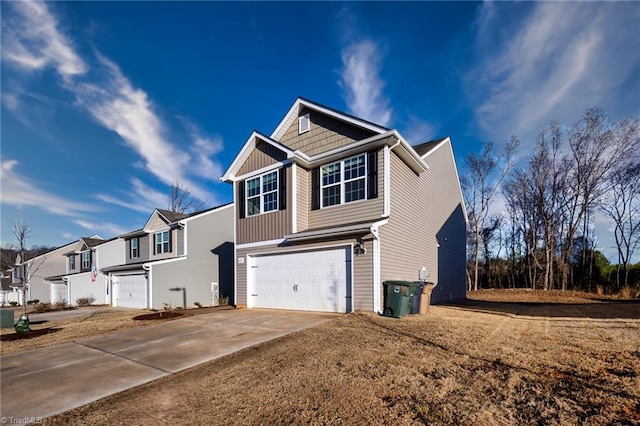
[
  {"x": 87, "y": 325},
  {"x": 485, "y": 362}
]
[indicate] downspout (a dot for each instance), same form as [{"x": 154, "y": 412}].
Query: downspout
[
  {"x": 147, "y": 275},
  {"x": 376, "y": 264}
]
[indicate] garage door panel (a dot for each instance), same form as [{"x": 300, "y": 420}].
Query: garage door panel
[
  {"x": 311, "y": 280},
  {"x": 130, "y": 291}
]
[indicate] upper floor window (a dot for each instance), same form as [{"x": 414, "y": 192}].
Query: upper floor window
[
  {"x": 72, "y": 262},
  {"x": 262, "y": 194},
  {"x": 134, "y": 248},
  {"x": 344, "y": 181},
  {"x": 162, "y": 242},
  {"x": 86, "y": 260}
]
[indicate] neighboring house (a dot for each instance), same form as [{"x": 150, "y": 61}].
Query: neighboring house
[
  {"x": 329, "y": 206},
  {"x": 81, "y": 277},
  {"x": 174, "y": 255},
  {"x": 8, "y": 293}
]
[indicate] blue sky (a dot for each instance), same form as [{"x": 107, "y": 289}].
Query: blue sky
[{"x": 105, "y": 104}]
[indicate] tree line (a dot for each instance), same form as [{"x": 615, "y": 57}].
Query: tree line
[{"x": 531, "y": 221}]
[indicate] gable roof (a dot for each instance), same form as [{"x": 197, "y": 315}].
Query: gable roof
[
  {"x": 424, "y": 148},
  {"x": 170, "y": 216},
  {"x": 301, "y": 103},
  {"x": 85, "y": 243}
]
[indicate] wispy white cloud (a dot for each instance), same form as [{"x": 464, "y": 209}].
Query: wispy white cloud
[
  {"x": 109, "y": 228},
  {"x": 20, "y": 191},
  {"x": 362, "y": 85},
  {"x": 417, "y": 130},
  {"x": 540, "y": 62},
  {"x": 32, "y": 41},
  {"x": 140, "y": 197},
  {"x": 10, "y": 101}
]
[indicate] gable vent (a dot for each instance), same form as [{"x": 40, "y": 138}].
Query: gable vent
[{"x": 304, "y": 123}]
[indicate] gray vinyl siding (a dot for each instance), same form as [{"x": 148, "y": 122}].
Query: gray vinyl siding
[
  {"x": 143, "y": 250},
  {"x": 303, "y": 201},
  {"x": 49, "y": 264},
  {"x": 357, "y": 211},
  {"x": 209, "y": 258},
  {"x": 426, "y": 227},
  {"x": 173, "y": 241},
  {"x": 180, "y": 241},
  {"x": 263, "y": 155},
  {"x": 267, "y": 226},
  {"x": 362, "y": 269},
  {"x": 326, "y": 133}
]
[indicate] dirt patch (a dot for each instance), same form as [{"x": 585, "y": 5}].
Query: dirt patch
[
  {"x": 158, "y": 316},
  {"x": 454, "y": 366},
  {"x": 29, "y": 335}
]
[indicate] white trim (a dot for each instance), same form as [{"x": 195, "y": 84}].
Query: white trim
[
  {"x": 335, "y": 231},
  {"x": 307, "y": 118},
  {"x": 246, "y": 150},
  {"x": 386, "y": 206},
  {"x": 259, "y": 244},
  {"x": 292, "y": 250},
  {"x": 262, "y": 194},
  {"x": 184, "y": 239},
  {"x": 149, "y": 281},
  {"x": 299, "y": 103},
  {"x": 199, "y": 215},
  {"x": 343, "y": 181},
  {"x": 445, "y": 140},
  {"x": 294, "y": 198},
  {"x": 376, "y": 264},
  {"x": 160, "y": 262},
  {"x": 162, "y": 231},
  {"x": 235, "y": 248},
  {"x": 263, "y": 170}
]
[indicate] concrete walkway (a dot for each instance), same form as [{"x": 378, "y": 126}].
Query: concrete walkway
[{"x": 48, "y": 381}]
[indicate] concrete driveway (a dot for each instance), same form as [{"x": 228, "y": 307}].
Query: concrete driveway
[{"x": 49, "y": 381}]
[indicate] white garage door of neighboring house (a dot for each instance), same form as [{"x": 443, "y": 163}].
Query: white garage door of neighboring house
[
  {"x": 129, "y": 291},
  {"x": 58, "y": 293},
  {"x": 308, "y": 281}
]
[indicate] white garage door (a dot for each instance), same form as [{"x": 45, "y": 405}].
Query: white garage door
[
  {"x": 307, "y": 281},
  {"x": 58, "y": 293},
  {"x": 130, "y": 291}
]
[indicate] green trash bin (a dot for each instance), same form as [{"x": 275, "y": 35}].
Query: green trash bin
[
  {"x": 6, "y": 318},
  {"x": 398, "y": 296}
]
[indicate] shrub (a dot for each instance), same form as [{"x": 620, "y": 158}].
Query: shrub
[
  {"x": 600, "y": 290},
  {"x": 85, "y": 301},
  {"x": 42, "y": 307},
  {"x": 13, "y": 303},
  {"x": 198, "y": 304},
  {"x": 626, "y": 292},
  {"x": 60, "y": 306},
  {"x": 167, "y": 306},
  {"x": 223, "y": 300},
  {"x": 36, "y": 301}
]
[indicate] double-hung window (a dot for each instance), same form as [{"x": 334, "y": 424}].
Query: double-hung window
[
  {"x": 86, "y": 260},
  {"x": 134, "y": 248},
  {"x": 344, "y": 181},
  {"x": 262, "y": 194},
  {"x": 162, "y": 242},
  {"x": 72, "y": 262}
]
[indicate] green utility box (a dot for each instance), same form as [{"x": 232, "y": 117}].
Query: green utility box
[
  {"x": 398, "y": 296},
  {"x": 6, "y": 318}
]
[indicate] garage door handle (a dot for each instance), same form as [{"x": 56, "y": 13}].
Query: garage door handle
[{"x": 295, "y": 287}]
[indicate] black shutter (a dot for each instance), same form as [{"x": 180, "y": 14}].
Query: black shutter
[
  {"x": 171, "y": 239},
  {"x": 241, "y": 199},
  {"x": 315, "y": 189},
  {"x": 372, "y": 174},
  {"x": 154, "y": 243},
  {"x": 282, "y": 188}
]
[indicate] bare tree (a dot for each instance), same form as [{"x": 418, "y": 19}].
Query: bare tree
[
  {"x": 596, "y": 146},
  {"x": 182, "y": 200},
  {"x": 622, "y": 206},
  {"x": 486, "y": 171},
  {"x": 24, "y": 268}
]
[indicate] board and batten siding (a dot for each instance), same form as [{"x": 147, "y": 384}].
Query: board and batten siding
[
  {"x": 200, "y": 267},
  {"x": 426, "y": 227},
  {"x": 326, "y": 133},
  {"x": 266, "y": 226},
  {"x": 362, "y": 268},
  {"x": 357, "y": 211},
  {"x": 263, "y": 155}
]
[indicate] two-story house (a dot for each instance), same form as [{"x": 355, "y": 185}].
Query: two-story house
[
  {"x": 175, "y": 257},
  {"x": 329, "y": 206},
  {"x": 82, "y": 277}
]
